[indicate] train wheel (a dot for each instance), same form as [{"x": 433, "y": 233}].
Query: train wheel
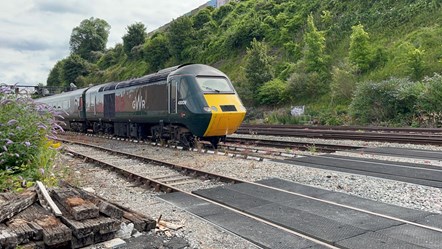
[
  {"x": 187, "y": 140},
  {"x": 156, "y": 135},
  {"x": 214, "y": 141}
]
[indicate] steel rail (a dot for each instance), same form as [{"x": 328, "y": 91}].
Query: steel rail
[
  {"x": 289, "y": 144},
  {"x": 345, "y": 128},
  {"x": 434, "y": 139}
]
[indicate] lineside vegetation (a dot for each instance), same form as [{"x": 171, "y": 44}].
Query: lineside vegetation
[{"x": 321, "y": 54}]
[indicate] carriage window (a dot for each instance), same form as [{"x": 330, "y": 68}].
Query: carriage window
[{"x": 214, "y": 84}]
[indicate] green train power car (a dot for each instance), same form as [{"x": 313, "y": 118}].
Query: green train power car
[{"x": 180, "y": 104}]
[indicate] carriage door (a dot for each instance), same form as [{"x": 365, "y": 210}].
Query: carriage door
[
  {"x": 109, "y": 105},
  {"x": 81, "y": 107},
  {"x": 172, "y": 86}
]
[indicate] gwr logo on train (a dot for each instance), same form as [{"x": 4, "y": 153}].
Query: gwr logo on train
[{"x": 138, "y": 103}]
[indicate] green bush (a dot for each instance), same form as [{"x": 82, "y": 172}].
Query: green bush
[
  {"x": 26, "y": 153},
  {"x": 273, "y": 92},
  {"x": 429, "y": 102},
  {"x": 385, "y": 101},
  {"x": 343, "y": 81}
]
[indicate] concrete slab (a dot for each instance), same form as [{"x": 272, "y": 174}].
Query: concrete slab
[
  {"x": 232, "y": 198},
  {"x": 343, "y": 215},
  {"x": 306, "y": 223},
  {"x": 383, "y": 169},
  {"x": 257, "y": 232},
  {"x": 426, "y": 172},
  {"x": 321, "y": 227},
  {"x": 344, "y": 227},
  {"x": 384, "y": 162},
  {"x": 402, "y": 152},
  {"x": 264, "y": 193},
  {"x": 293, "y": 187},
  {"x": 181, "y": 199},
  {"x": 375, "y": 206},
  {"x": 346, "y": 199},
  {"x": 415, "y": 235},
  {"x": 434, "y": 220},
  {"x": 373, "y": 240},
  {"x": 318, "y": 247}
]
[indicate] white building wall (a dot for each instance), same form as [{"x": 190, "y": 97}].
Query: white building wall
[{"x": 220, "y": 3}]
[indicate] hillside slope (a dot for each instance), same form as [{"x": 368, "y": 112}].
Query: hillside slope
[{"x": 404, "y": 41}]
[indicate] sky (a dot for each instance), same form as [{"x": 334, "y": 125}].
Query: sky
[{"x": 34, "y": 34}]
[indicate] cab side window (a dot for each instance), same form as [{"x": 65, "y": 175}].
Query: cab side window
[{"x": 183, "y": 91}]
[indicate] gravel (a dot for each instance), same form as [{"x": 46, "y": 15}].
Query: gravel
[{"x": 200, "y": 234}]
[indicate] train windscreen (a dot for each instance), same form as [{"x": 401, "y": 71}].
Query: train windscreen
[{"x": 214, "y": 85}]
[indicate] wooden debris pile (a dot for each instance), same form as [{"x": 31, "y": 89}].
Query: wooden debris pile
[{"x": 67, "y": 217}]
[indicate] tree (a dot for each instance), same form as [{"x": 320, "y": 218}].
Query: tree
[
  {"x": 156, "y": 52},
  {"x": 258, "y": 69},
  {"x": 136, "y": 35},
  {"x": 314, "y": 51},
  {"x": 310, "y": 75},
  {"x": 73, "y": 67},
  {"x": 360, "y": 52},
  {"x": 242, "y": 33},
  {"x": 180, "y": 36},
  {"x": 204, "y": 16},
  {"x": 416, "y": 63},
  {"x": 55, "y": 77},
  {"x": 91, "y": 35}
]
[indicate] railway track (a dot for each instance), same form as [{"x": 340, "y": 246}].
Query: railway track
[
  {"x": 303, "y": 146},
  {"x": 160, "y": 175},
  {"x": 428, "y": 175},
  {"x": 245, "y": 148},
  {"x": 397, "y": 135},
  {"x": 349, "y": 128},
  {"x": 332, "y": 222}
]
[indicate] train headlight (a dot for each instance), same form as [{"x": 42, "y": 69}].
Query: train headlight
[
  {"x": 207, "y": 109},
  {"x": 242, "y": 108},
  {"x": 214, "y": 109}
]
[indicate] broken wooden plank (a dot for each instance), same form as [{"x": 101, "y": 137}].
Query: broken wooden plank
[
  {"x": 104, "y": 206},
  {"x": 8, "y": 239},
  {"x": 83, "y": 241},
  {"x": 103, "y": 237},
  {"x": 47, "y": 226},
  {"x": 54, "y": 232},
  {"x": 46, "y": 200},
  {"x": 84, "y": 228},
  {"x": 78, "y": 207},
  {"x": 16, "y": 205},
  {"x": 110, "y": 210},
  {"x": 21, "y": 228},
  {"x": 148, "y": 222},
  {"x": 33, "y": 245},
  {"x": 169, "y": 225},
  {"x": 140, "y": 222}
]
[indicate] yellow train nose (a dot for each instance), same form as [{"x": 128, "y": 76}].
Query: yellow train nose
[{"x": 227, "y": 114}]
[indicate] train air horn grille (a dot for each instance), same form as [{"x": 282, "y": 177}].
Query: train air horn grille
[{"x": 228, "y": 108}]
